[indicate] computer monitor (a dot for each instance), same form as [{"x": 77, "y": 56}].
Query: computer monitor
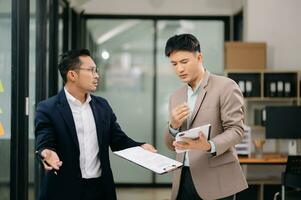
[{"x": 283, "y": 122}]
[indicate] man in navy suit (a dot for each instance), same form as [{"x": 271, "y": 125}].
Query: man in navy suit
[{"x": 74, "y": 131}]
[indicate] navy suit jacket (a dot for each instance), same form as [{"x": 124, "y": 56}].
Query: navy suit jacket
[{"x": 55, "y": 129}]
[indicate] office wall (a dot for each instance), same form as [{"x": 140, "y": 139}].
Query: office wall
[
  {"x": 160, "y": 7},
  {"x": 277, "y": 23}
]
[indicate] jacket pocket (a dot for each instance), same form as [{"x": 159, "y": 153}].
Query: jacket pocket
[{"x": 223, "y": 159}]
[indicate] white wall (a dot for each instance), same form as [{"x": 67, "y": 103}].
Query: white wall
[
  {"x": 158, "y": 7},
  {"x": 276, "y": 22}
]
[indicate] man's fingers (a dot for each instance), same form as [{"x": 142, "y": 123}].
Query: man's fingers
[
  {"x": 47, "y": 167},
  {"x": 183, "y": 116},
  {"x": 61, "y": 163},
  {"x": 54, "y": 164},
  {"x": 178, "y": 111},
  {"x": 149, "y": 147},
  {"x": 202, "y": 136},
  {"x": 187, "y": 140},
  {"x": 180, "y": 145}
]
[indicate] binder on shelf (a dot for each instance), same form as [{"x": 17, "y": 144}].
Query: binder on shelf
[
  {"x": 249, "y": 88},
  {"x": 263, "y": 117},
  {"x": 241, "y": 85},
  {"x": 287, "y": 89},
  {"x": 280, "y": 88},
  {"x": 272, "y": 89},
  {"x": 257, "y": 117}
]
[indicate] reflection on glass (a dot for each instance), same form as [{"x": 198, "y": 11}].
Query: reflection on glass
[
  {"x": 32, "y": 86},
  {"x": 123, "y": 52},
  {"x": 60, "y": 41},
  {"x": 5, "y": 97}
]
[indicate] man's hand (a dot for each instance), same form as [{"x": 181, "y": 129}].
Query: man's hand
[
  {"x": 178, "y": 115},
  {"x": 200, "y": 143},
  {"x": 149, "y": 147},
  {"x": 51, "y": 160}
]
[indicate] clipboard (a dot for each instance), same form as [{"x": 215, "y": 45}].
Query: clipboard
[
  {"x": 193, "y": 134},
  {"x": 155, "y": 162}
]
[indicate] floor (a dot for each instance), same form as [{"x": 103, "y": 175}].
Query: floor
[
  {"x": 143, "y": 193},
  {"x": 122, "y": 193}
]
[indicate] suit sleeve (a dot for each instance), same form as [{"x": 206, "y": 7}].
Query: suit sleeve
[
  {"x": 118, "y": 139},
  {"x": 232, "y": 116},
  {"x": 167, "y": 136},
  {"x": 44, "y": 133}
]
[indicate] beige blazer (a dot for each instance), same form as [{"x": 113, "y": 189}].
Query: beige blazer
[{"x": 219, "y": 103}]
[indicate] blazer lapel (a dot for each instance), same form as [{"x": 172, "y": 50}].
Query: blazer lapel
[
  {"x": 66, "y": 113},
  {"x": 99, "y": 120},
  {"x": 200, "y": 97}
]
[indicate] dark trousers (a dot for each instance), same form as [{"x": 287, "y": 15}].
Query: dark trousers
[
  {"x": 92, "y": 189},
  {"x": 187, "y": 190}
]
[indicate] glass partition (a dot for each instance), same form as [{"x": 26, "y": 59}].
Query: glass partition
[
  {"x": 124, "y": 51},
  {"x": 5, "y": 97},
  {"x": 32, "y": 83},
  {"x": 124, "y": 55}
]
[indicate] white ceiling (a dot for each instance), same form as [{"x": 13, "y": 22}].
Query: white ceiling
[{"x": 158, "y": 7}]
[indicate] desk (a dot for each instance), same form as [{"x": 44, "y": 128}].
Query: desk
[{"x": 266, "y": 159}]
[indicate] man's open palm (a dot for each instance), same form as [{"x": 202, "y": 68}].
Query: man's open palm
[{"x": 51, "y": 160}]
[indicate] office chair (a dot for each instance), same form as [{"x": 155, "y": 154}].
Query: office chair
[{"x": 291, "y": 178}]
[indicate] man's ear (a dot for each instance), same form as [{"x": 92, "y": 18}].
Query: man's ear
[
  {"x": 200, "y": 56},
  {"x": 71, "y": 75}
]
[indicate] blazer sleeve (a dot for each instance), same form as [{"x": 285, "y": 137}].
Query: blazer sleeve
[
  {"x": 168, "y": 138},
  {"x": 232, "y": 116},
  {"x": 118, "y": 139},
  {"x": 44, "y": 131}
]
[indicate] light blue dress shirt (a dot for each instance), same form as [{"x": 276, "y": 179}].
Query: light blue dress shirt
[{"x": 191, "y": 101}]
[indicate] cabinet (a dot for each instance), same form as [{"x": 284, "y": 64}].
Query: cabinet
[
  {"x": 266, "y": 87},
  {"x": 263, "y": 88}
]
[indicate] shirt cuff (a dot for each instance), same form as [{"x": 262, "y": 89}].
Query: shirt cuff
[
  {"x": 172, "y": 131},
  {"x": 213, "y": 150}
]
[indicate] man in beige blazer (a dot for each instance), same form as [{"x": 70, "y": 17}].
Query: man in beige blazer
[{"x": 211, "y": 167}]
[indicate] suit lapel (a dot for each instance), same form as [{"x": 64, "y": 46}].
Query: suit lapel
[
  {"x": 99, "y": 120},
  {"x": 66, "y": 113},
  {"x": 200, "y": 97}
]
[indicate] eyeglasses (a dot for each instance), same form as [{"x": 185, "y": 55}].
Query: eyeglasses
[{"x": 93, "y": 70}]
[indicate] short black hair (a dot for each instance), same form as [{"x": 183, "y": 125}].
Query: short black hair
[
  {"x": 182, "y": 42},
  {"x": 70, "y": 61}
]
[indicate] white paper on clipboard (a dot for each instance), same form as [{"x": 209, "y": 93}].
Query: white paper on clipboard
[{"x": 149, "y": 160}]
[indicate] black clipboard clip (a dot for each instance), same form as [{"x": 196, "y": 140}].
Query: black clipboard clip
[{"x": 44, "y": 161}]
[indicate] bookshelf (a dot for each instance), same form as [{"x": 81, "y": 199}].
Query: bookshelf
[{"x": 266, "y": 87}]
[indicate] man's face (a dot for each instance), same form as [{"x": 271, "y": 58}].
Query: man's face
[
  {"x": 186, "y": 65},
  {"x": 87, "y": 77}
]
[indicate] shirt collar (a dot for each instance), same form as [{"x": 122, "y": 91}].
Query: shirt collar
[
  {"x": 190, "y": 91},
  {"x": 73, "y": 100}
]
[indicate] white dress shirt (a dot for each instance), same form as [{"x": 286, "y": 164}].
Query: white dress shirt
[{"x": 86, "y": 135}]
